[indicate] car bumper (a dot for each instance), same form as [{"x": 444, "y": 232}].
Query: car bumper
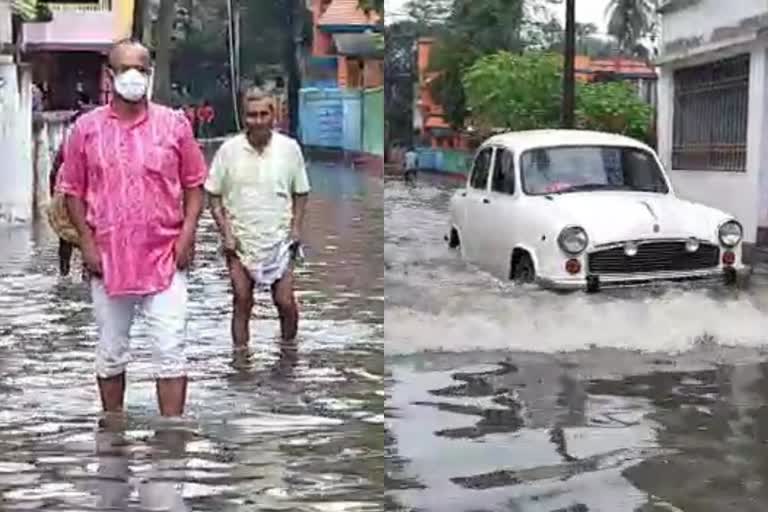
[{"x": 729, "y": 275}]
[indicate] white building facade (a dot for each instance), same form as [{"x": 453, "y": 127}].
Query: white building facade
[
  {"x": 713, "y": 106},
  {"x": 16, "y": 177}
]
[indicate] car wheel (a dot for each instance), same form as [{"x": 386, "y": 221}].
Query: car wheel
[
  {"x": 523, "y": 271},
  {"x": 453, "y": 240}
]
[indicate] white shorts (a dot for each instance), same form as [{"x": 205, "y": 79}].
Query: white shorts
[{"x": 166, "y": 315}]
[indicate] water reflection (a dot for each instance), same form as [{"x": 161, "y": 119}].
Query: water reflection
[
  {"x": 268, "y": 429},
  {"x": 505, "y": 398}
]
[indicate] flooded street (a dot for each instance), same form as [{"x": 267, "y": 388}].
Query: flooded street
[
  {"x": 264, "y": 433},
  {"x": 505, "y": 398}
]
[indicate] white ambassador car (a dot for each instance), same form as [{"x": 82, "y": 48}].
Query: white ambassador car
[{"x": 572, "y": 209}]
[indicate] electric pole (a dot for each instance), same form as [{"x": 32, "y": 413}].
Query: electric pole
[
  {"x": 292, "y": 68},
  {"x": 569, "y": 74}
]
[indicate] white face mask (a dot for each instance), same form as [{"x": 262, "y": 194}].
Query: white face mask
[{"x": 132, "y": 85}]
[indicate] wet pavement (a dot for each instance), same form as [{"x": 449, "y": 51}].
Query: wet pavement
[
  {"x": 262, "y": 433},
  {"x": 505, "y": 398}
]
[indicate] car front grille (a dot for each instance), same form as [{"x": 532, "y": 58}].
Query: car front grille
[{"x": 653, "y": 257}]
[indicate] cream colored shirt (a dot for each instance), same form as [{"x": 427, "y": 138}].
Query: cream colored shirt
[{"x": 257, "y": 191}]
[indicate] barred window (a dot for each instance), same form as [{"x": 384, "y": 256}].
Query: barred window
[{"x": 710, "y": 120}]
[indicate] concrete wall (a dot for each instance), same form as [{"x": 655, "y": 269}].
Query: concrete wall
[
  {"x": 73, "y": 27},
  {"x": 345, "y": 119},
  {"x": 700, "y": 27},
  {"x": 49, "y": 132},
  {"x": 701, "y": 18},
  {"x": 735, "y": 192},
  {"x": 16, "y": 176},
  {"x": 373, "y": 121},
  {"x": 704, "y": 24},
  {"x": 5, "y": 23}
]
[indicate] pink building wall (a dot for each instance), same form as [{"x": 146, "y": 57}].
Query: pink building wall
[{"x": 72, "y": 29}]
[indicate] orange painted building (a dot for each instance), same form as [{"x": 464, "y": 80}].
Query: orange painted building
[
  {"x": 437, "y": 133},
  {"x": 345, "y": 47},
  {"x": 428, "y": 114}
]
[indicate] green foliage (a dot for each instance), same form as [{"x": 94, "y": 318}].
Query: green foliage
[
  {"x": 428, "y": 13},
  {"x": 200, "y": 57},
  {"x": 521, "y": 92},
  {"x": 450, "y": 57},
  {"x": 473, "y": 29},
  {"x": 613, "y": 107},
  {"x": 371, "y": 5},
  {"x": 630, "y": 21}
]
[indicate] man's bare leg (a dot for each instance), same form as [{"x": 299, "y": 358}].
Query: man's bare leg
[
  {"x": 171, "y": 395},
  {"x": 112, "y": 391},
  {"x": 287, "y": 309},
  {"x": 242, "y": 302}
]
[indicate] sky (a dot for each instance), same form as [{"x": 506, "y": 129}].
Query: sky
[{"x": 587, "y": 11}]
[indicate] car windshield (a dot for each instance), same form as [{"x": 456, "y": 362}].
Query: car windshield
[{"x": 560, "y": 170}]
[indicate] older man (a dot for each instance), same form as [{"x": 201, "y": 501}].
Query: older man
[
  {"x": 258, "y": 188},
  {"x": 133, "y": 177}
]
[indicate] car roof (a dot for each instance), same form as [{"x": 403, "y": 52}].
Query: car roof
[{"x": 522, "y": 140}]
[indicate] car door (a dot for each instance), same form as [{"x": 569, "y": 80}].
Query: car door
[
  {"x": 503, "y": 212},
  {"x": 473, "y": 233}
]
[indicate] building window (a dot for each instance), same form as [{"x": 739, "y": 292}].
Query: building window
[{"x": 710, "y": 116}]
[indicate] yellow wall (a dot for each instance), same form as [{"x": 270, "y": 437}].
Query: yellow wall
[{"x": 123, "y": 18}]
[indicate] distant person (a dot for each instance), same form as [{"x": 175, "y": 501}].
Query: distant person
[
  {"x": 206, "y": 116},
  {"x": 133, "y": 176},
  {"x": 411, "y": 165},
  {"x": 65, "y": 247},
  {"x": 191, "y": 113},
  {"x": 82, "y": 99},
  {"x": 37, "y": 98},
  {"x": 260, "y": 220}
]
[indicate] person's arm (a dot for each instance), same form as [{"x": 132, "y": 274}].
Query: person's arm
[
  {"x": 73, "y": 183},
  {"x": 193, "y": 173},
  {"x": 55, "y": 168},
  {"x": 219, "y": 214},
  {"x": 300, "y": 194},
  {"x": 214, "y": 186}
]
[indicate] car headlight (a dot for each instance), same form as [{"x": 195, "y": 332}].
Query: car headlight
[
  {"x": 730, "y": 233},
  {"x": 573, "y": 240}
]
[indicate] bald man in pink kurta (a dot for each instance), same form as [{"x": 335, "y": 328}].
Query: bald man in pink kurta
[{"x": 132, "y": 177}]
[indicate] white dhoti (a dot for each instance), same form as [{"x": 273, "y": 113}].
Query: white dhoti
[{"x": 271, "y": 269}]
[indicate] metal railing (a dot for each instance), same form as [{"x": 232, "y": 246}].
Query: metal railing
[
  {"x": 100, "y": 6},
  {"x": 710, "y": 116}
]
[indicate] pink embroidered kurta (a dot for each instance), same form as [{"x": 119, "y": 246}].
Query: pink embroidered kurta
[{"x": 131, "y": 177}]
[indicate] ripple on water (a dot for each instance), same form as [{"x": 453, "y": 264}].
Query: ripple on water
[
  {"x": 259, "y": 431},
  {"x": 510, "y": 398}
]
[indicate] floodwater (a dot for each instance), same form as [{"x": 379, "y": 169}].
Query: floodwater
[
  {"x": 505, "y": 398},
  {"x": 264, "y": 432}
]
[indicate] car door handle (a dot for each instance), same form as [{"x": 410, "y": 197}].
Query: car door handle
[{"x": 486, "y": 200}]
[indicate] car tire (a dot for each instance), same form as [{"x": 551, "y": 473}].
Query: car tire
[{"x": 523, "y": 271}]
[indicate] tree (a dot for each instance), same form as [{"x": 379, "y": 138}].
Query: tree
[
  {"x": 520, "y": 92},
  {"x": 371, "y": 5},
  {"x": 630, "y": 21},
  {"x": 162, "y": 40},
  {"x": 613, "y": 107},
  {"x": 473, "y": 29},
  {"x": 201, "y": 60},
  {"x": 428, "y": 14}
]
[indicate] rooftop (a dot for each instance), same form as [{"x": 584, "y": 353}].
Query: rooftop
[{"x": 347, "y": 12}]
